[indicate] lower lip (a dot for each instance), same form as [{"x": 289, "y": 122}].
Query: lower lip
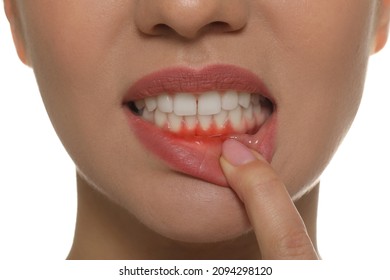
[{"x": 199, "y": 156}]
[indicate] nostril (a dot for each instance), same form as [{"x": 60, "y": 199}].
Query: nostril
[
  {"x": 162, "y": 29},
  {"x": 213, "y": 27},
  {"x": 218, "y": 26}
]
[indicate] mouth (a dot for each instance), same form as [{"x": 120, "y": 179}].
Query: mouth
[
  {"x": 184, "y": 115},
  {"x": 208, "y": 114}
]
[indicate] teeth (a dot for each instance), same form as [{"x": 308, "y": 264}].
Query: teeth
[
  {"x": 191, "y": 122},
  {"x": 249, "y": 118},
  {"x": 205, "y": 122},
  {"x": 235, "y": 117},
  {"x": 212, "y": 112},
  {"x": 147, "y": 115},
  {"x": 174, "y": 122},
  {"x": 184, "y": 104},
  {"x": 209, "y": 103},
  {"x": 258, "y": 114},
  {"x": 244, "y": 99},
  {"x": 255, "y": 99},
  {"x": 248, "y": 112},
  {"x": 151, "y": 103},
  {"x": 230, "y": 100},
  {"x": 221, "y": 119},
  {"x": 160, "y": 118},
  {"x": 165, "y": 103},
  {"x": 140, "y": 104}
]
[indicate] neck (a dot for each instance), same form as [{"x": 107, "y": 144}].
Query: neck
[{"x": 105, "y": 230}]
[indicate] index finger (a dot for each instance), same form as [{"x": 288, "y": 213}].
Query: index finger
[{"x": 279, "y": 229}]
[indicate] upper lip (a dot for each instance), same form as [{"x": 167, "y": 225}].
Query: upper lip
[{"x": 196, "y": 81}]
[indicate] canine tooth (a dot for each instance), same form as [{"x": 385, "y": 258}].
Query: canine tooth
[
  {"x": 175, "y": 122},
  {"x": 235, "y": 117},
  {"x": 160, "y": 118},
  {"x": 221, "y": 119},
  {"x": 140, "y": 104},
  {"x": 229, "y": 100},
  {"x": 151, "y": 103},
  {"x": 190, "y": 122},
  {"x": 244, "y": 99},
  {"x": 184, "y": 104},
  {"x": 147, "y": 115},
  {"x": 209, "y": 103},
  {"x": 205, "y": 122},
  {"x": 165, "y": 103}
]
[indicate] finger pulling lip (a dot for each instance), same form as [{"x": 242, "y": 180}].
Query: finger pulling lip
[{"x": 198, "y": 156}]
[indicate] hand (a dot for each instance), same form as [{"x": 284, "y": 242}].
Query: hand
[{"x": 279, "y": 229}]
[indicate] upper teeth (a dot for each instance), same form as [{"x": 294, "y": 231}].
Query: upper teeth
[
  {"x": 242, "y": 110},
  {"x": 207, "y": 104}
]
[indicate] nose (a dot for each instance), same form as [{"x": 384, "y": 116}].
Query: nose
[{"x": 190, "y": 18}]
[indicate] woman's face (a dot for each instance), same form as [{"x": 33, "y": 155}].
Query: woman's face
[{"x": 98, "y": 62}]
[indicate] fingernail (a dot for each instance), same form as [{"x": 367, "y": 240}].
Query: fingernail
[{"x": 236, "y": 153}]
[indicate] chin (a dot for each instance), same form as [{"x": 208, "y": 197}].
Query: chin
[
  {"x": 196, "y": 232},
  {"x": 190, "y": 210}
]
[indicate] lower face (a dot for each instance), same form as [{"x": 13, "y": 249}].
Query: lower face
[{"x": 154, "y": 148}]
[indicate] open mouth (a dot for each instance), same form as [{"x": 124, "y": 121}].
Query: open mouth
[
  {"x": 183, "y": 115},
  {"x": 208, "y": 114}
]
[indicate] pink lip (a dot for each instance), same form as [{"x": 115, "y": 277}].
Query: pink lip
[{"x": 198, "y": 156}]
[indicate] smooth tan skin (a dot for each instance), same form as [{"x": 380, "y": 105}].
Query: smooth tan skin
[{"x": 312, "y": 55}]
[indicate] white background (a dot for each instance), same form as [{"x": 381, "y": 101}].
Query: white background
[{"x": 38, "y": 188}]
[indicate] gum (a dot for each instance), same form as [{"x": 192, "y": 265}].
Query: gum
[{"x": 212, "y": 132}]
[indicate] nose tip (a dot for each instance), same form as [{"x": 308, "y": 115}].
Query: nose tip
[{"x": 190, "y": 18}]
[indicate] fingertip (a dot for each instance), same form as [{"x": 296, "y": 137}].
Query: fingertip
[{"x": 236, "y": 153}]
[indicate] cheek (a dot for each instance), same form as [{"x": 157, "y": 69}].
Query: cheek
[
  {"x": 71, "y": 59},
  {"x": 321, "y": 83},
  {"x": 309, "y": 137}
]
